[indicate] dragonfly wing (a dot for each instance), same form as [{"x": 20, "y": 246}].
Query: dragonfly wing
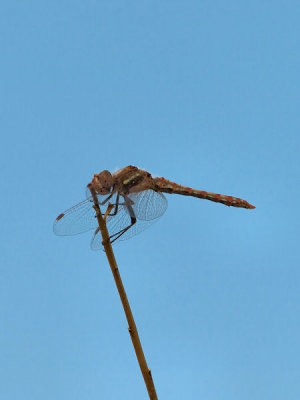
[
  {"x": 116, "y": 224},
  {"x": 137, "y": 228},
  {"x": 78, "y": 219},
  {"x": 148, "y": 205}
]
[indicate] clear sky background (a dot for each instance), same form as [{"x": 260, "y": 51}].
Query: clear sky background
[{"x": 203, "y": 93}]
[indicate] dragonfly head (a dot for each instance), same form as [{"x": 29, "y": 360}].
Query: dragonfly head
[{"x": 103, "y": 182}]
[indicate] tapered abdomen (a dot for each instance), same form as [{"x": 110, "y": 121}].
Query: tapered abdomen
[{"x": 166, "y": 186}]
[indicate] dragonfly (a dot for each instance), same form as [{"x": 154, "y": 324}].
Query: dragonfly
[{"x": 137, "y": 199}]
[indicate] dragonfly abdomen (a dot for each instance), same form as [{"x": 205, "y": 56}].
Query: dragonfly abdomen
[{"x": 167, "y": 186}]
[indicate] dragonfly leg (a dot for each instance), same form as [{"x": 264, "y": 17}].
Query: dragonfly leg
[
  {"x": 116, "y": 206},
  {"x": 108, "y": 210},
  {"x": 128, "y": 205},
  {"x": 106, "y": 200},
  {"x": 109, "y": 197},
  {"x": 121, "y": 232}
]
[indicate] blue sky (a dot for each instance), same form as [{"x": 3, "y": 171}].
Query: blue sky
[{"x": 205, "y": 94}]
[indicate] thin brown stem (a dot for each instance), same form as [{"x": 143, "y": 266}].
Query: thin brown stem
[{"x": 146, "y": 372}]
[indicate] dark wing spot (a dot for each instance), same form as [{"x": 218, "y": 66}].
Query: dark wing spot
[{"x": 60, "y": 216}]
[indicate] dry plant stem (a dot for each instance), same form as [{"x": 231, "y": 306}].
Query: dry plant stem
[{"x": 132, "y": 327}]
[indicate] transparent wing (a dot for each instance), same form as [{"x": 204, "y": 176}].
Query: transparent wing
[
  {"x": 114, "y": 223},
  {"x": 118, "y": 222},
  {"x": 148, "y": 205},
  {"x": 137, "y": 228},
  {"x": 77, "y": 219},
  {"x": 80, "y": 218}
]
